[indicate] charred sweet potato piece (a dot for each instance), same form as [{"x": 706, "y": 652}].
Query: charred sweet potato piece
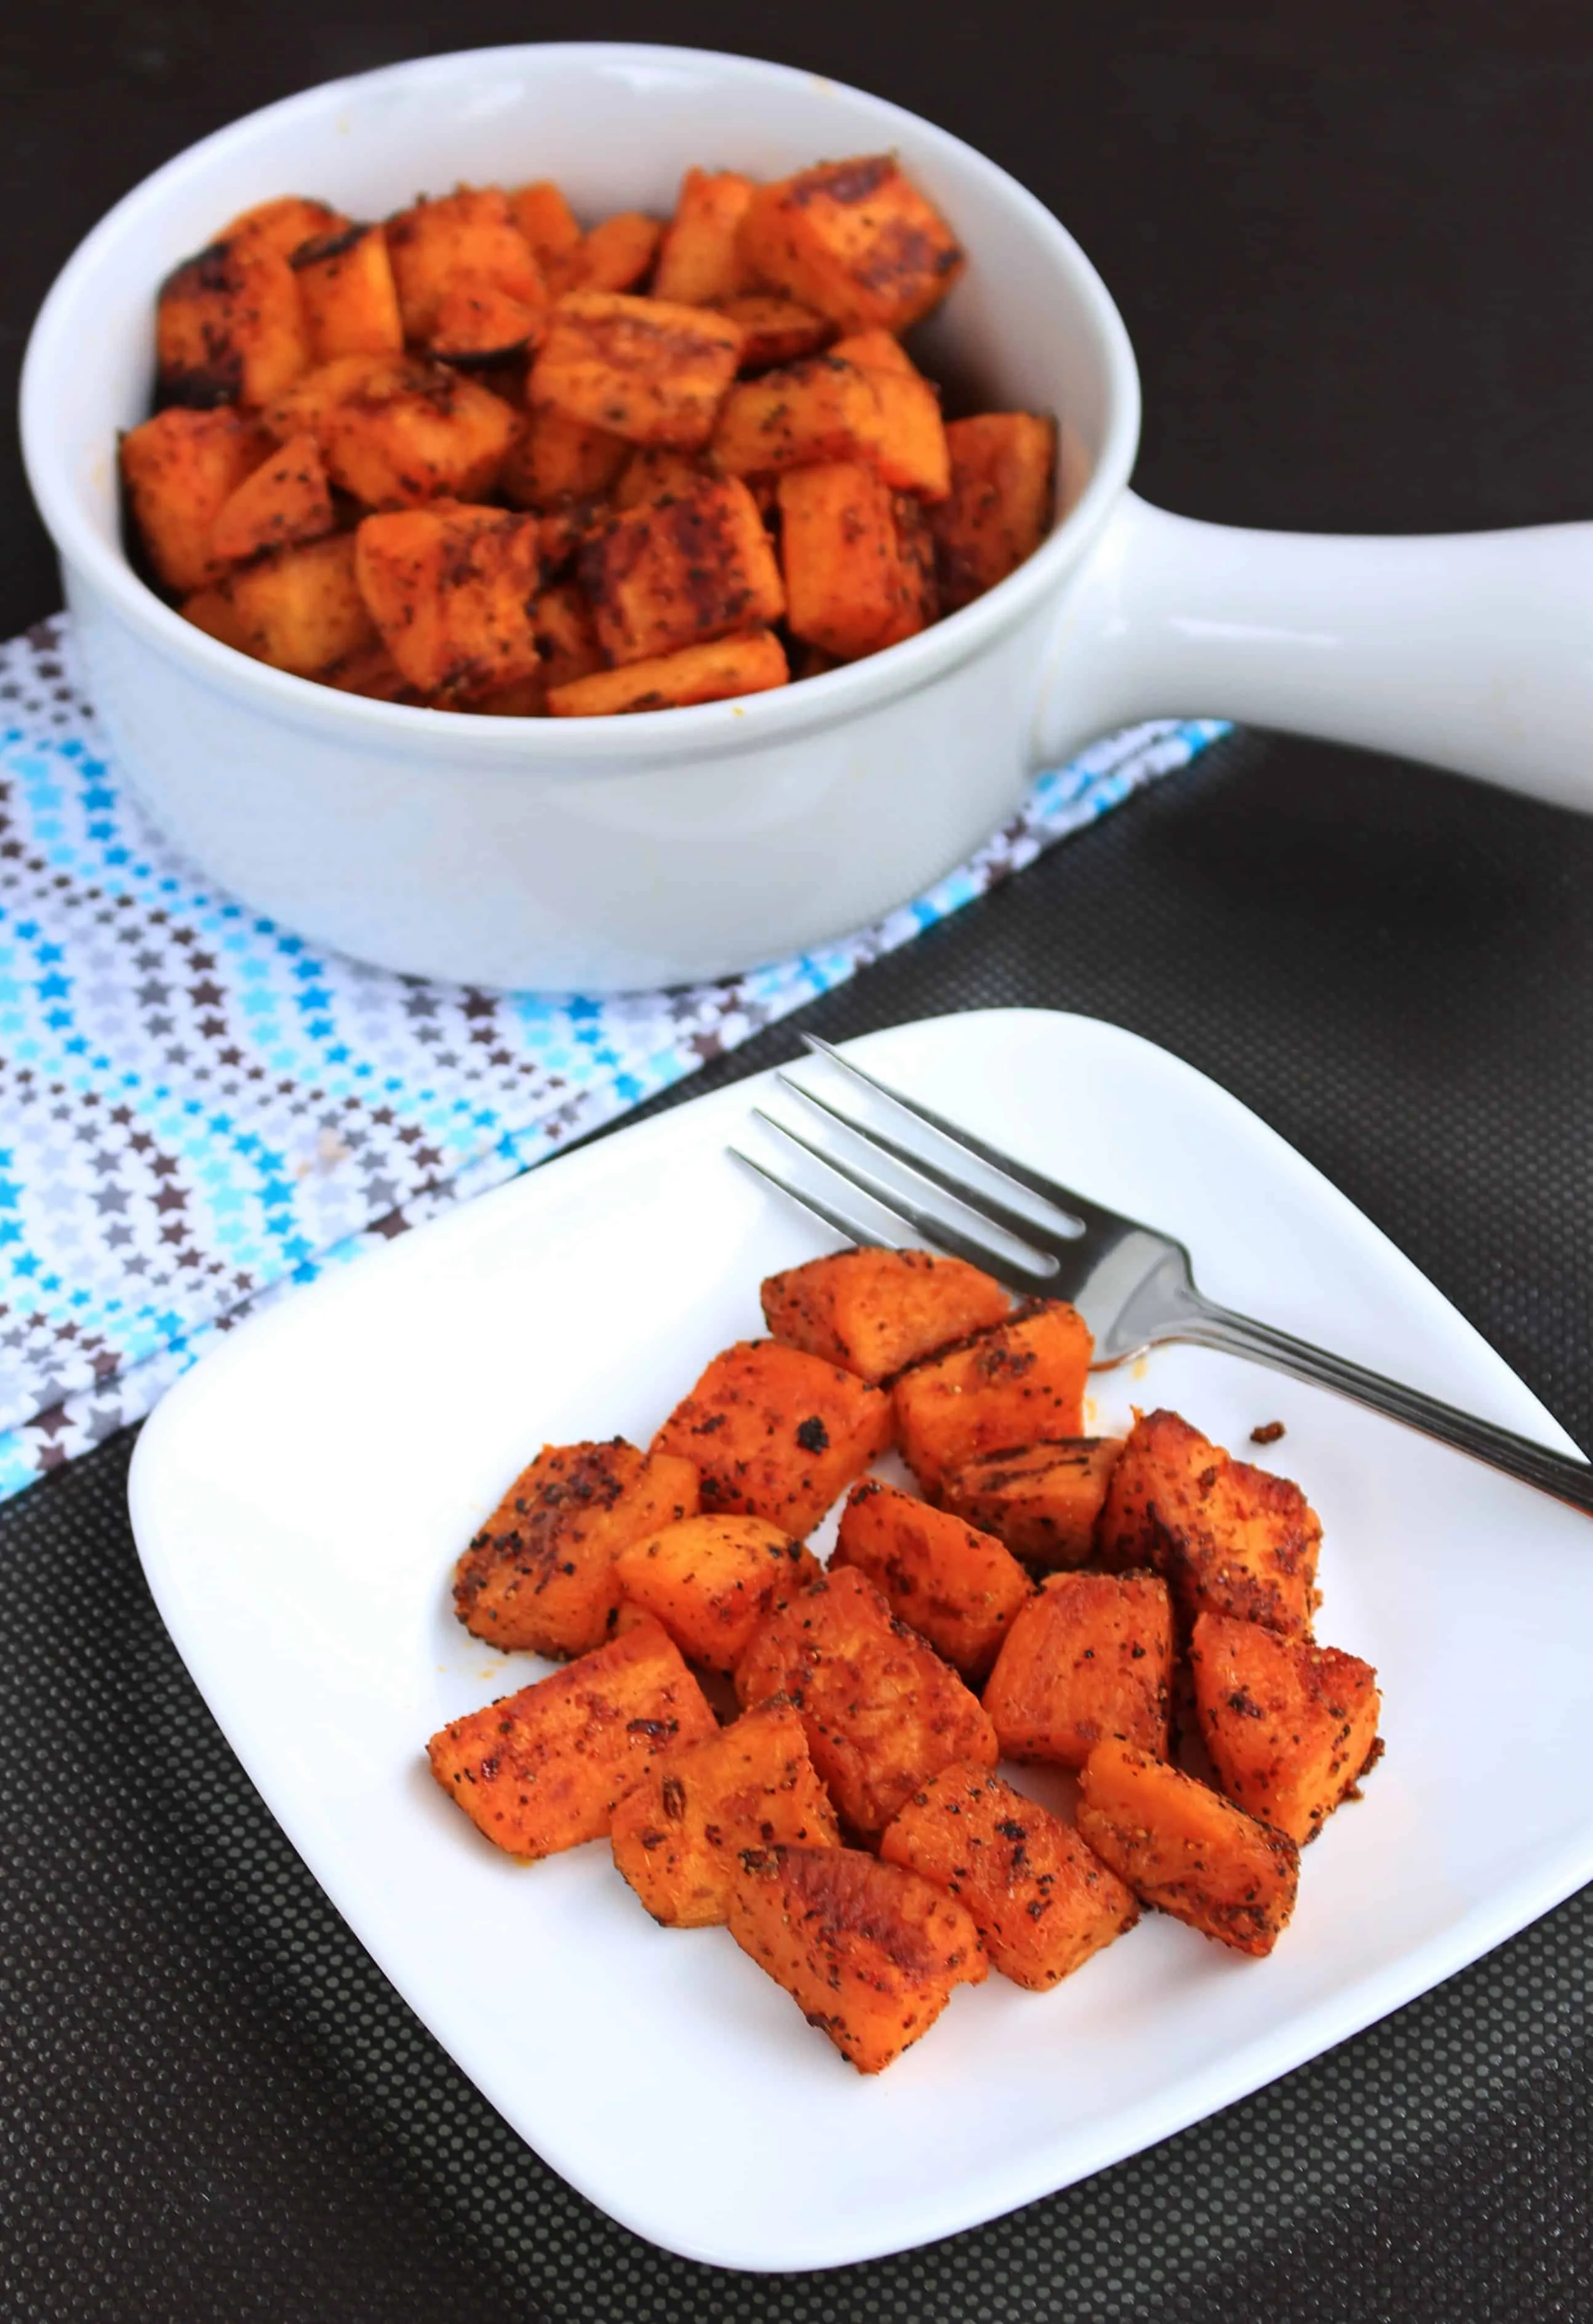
[
  {"x": 710, "y": 1581},
  {"x": 618, "y": 254},
  {"x": 1043, "y": 1501},
  {"x": 350, "y": 299},
  {"x": 869, "y": 1953},
  {"x": 882, "y": 1712},
  {"x": 1011, "y": 1386},
  {"x": 451, "y": 591},
  {"x": 697, "y": 259},
  {"x": 477, "y": 321},
  {"x": 1187, "y": 1851},
  {"x": 776, "y": 1434},
  {"x": 300, "y": 609},
  {"x": 229, "y": 328},
  {"x": 539, "y": 1575},
  {"x": 310, "y": 401},
  {"x": 818, "y": 410},
  {"x": 546, "y": 221},
  {"x": 650, "y": 475},
  {"x": 960, "y": 1589},
  {"x": 875, "y": 1312},
  {"x": 370, "y": 669},
  {"x": 677, "y": 1837},
  {"x": 544, "y": 1769},
  {"x": 682, "y": 571},
  {"x": 1041, "y": 1901},
  {"x": 471, "y": 231},
  {"x": 712, "y": 673},
  {"x": 644, "y": 368},
  {"x": 555, "y": 461},
  {"x": 914, "y": 454},
  {"x": 776, "y": 330},
  {"x": 565, "y": 641},
  {"x": 1087, "y": 1656},
  {"x": 284, "y": 225},
  {"x": 847, "y": 587},
  {"x": 423, "y": 433},
  {"x": 1291, "y": 1728},
  {"x": 1231, "y": 1538},
  {"x": 1003, "y": 468},
  {"x": 286, "y": 500},
  {"x": 180, "y": 469},
  {"x": 915, "y": 549},
  {"x": 856, "y": 240}
]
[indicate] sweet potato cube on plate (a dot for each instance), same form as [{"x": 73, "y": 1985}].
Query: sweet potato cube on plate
[
  {"x": 423, "y": 434},
  {"x": 546, "y": 219},
  {"x": 301, "y": 609},
  {"x": 1021, "y": 1381},
  {"x": 875, "y": 1312},
  {"x": 1043, "y": 1501},
  {"x": 471, "y": 231},
  {"x": 180, "y": 469},
  {"x": 647, "y": 369},
  {"x": 775, "y": 330},
  {"x": 539, "y": 1575},
  {"x": 698, "y": 263},
  {"x": 710, "y": 1580},
  {"x": 451, "y": 591},
  {"x": 286, "y": 500},
  {"x": 229, "y": 328},
  {"x": 681, "y": 571},
  {"x": 869, "y": 1953},
  {"x": 712, "y": 673},
  {"x": 1186, "y": 1850},
  {"x": 1231, "y": 1538},
  {"x": 283, "y": 224},
  {"x": 914, "y": 454},
  {"x": 847, "y": 587},
  {"x": 777, "y": 1434},
  {"x": 1041, "y": 1901},
  {"x": 882, "y": 1712},
  {"x": 814, "y": 410},
  {"x": 653, "y": 474},
  {"x": 555, "y": 461},
  {"x": 544, "y": 1769},
  {"x": 959, "y": 1588},
  {"x": 854, "y": 239},
  {"x": 350, "y": 299},
  {"x": 1087, "y": 1656},
  {"x": 618, "y": 254},
  {"x": 1290, "y": 1728},
  {"x": 678, "y": 1837},
  {"x": 477, "y": 321},
  {"x": 1003, "y": 469}
]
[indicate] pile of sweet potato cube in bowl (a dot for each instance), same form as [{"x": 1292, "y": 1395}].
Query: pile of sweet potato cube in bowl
[
  {"x": 1045, "y": 1596},
  {"x": 475, "y": 459}
]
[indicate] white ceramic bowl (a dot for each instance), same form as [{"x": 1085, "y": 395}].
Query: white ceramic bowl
[{"x": 606, "y": 853}]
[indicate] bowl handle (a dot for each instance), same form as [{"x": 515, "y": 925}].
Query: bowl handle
[{"x": 1471, "y": 650}]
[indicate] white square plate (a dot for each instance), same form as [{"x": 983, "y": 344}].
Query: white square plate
[{"x": 300, "y": 1498}]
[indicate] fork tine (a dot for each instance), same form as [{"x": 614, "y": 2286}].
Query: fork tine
[{"x": 834, "y": 1214}]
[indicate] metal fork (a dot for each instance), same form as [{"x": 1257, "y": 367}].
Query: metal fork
[{"x": 1133, "y": 1286}]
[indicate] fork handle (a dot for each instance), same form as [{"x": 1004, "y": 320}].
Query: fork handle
[{"x": 1210, "y": 1326}]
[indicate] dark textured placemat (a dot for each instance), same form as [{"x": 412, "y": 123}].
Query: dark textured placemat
[{"x": 212, "y": 2104}]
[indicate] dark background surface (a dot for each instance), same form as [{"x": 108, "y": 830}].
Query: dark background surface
[{"x": 1352, "y": 247}]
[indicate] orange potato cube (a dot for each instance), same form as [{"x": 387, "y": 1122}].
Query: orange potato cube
[
  {"x": 311, "y": 401},
  {"x": 211, "y": 609},
  {"x": 776, "y": 330},
  {"x": 710, "y": 1581},
  {"x": 1087, "y": 1656},
  {"x": 697, "y": 258},
  {"x": 854, "y": 239},
  {"x": 1231, "y": 1538},
  {"x": 644, "y": 368},
  {"x": 616, "y": 255},
  {"x": 350, "y": 299},
  {"x": 284, "y": 225},
  {"x": 555, "y": 460},
  {"x": 775, "y": 1433},
  {"x": 180, "y": 469},
  {"x": 471, "y": 231},
  {"x": 451, "y": 592},
  {"x": 653, "y": 474},
  {"x": 287, "y": 499},
  {"x": 869, "y": 1953},
  {"x": 300, "y": 609},
  {"x": 1291, "y": 1728},
  {"x": 958, "y": 1588},
  {"x": 818, "y": 410},
  {"x": 565, "y": 641},
  {"x": 229, "y": 328},
  {"x": 678, "y": 1837},
  {"x": 426, "y": 435},
  {"x": 1043, "y": 1501},
  {"x": 875, "y": 1312},
  {"x": 1041, "y": 1901},
  {"x": 1011, "y": 1386},
  {"x": 539, "y": 1575},
  {"x": 712, "y": 673},
  {"x": 1187, "y": 1851},
  {"x": 919, "y": 602},
  {"x": 681, "y": 571},
  {"x": 846, "y": 587},
  {"x": 544, "y": 1769},
  {"x": 476, "y": 322},
  {"x": 914, "y": 454},
  {"x": 882, "y": 1712},
  {"x": 546, "y": 221},
  {"x": 1003, "y": 467},
  {"x": 370, "y": 669}
]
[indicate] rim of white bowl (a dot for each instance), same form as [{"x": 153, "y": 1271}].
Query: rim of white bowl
[{"x": 706, "y": 728}]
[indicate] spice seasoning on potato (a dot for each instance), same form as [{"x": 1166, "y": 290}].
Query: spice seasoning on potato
[
  {"x": 452, "y": 592},
  {"x": 713, "y": 673},
  {"x": 643, "y": 368},
  {"x": 775, "y": 1433},
  {"x": 301, "y": 609},
  {"x": 698, "y": 263},
  {"x": 875, "y": 1312},
  {"x": 997, "y": 512},
  {"x": 285, "y": 501},
  {"x": 1043, "y": 1501},
  {"x": 1023, "y": 1380},
  {"x": 471, "y": 231},
  {"x": 179, "y": 469},
  {"x": 1186, "y": 1850},
  {"x": 229, "y": 328},
  {"x": 710, "y": 1581},
  {"x": 957, "y": 1587},
  {"x": 854, "y": 239},
  {"x": 682, "y": 570},
  {"x": 1087, "y": 1656},
  {"x": 349, "y": 297},
  {"x": 1291, "y": 1728}
]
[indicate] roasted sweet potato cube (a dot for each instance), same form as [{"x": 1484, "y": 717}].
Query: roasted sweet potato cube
[
  {"x": 180, "y": 469},
  {"x": 644, "y": 368},
  {"x": 869, "y": 1953},
  {"x": 423, "y": 434},
  {"x": 544, "y": 1769},
  {"x": 539, "y": 1575},
  {"x": 211, "y": 609},
  {"x": 546, "y": 221},
  {"x": 775, "y": 330},
  {"x": 820, "y": 409},
  {"x": 678, "y": 1837},
  {"x": 854, "y": 239},
  {"x": 477, "y": 322},
  {"x": 875, "y": 1312},
  {"x": 229, "y": 328},
  {"x": 698, "y": 262},
  {"x": 1011, "y": 1386},
  {"x": 712, "y": 673},
  {"x": 681, "y": 571},
  {"x": 451, "y": 592},
  {"x": 565, "y": 641},
  {"x": 710, "y": 1581},
  {"x": 914, "y": 454},
  {"x": 652, "y": 474},
  {"x": 1231, "y": 1538},
  {"x": 1291, "y": 1728},
  {"x": 370, "y": 669},
  {"x": 300, "y": 609},
  {"x": 311, "y": 401},
  {"x": 555, "y": 461},
  {"x": 1186, "y": 1850},
  {"x": 1087, "y": 1656},
  {"x": 286, "y": 500},
  {"x": 958, "y": 1588},
  {"x": 846, "y": 586},
  {"x": 1003, "y": 467},
  {"x": 1041, "y": 1901},
  {"x": 1043, "y": 1501},
  {"x": 618, "y": 254},
  {"x": 919, "y": 603},
  {"x": 350, "y": 299},
  {"x": 284, "y": 225},
  {"x": 775, "y": 1433},
  {"x": 882, "y": 1712},
  {"x": 471, "y": 231}
]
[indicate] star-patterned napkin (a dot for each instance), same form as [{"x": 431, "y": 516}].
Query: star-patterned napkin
[{"x": 199, "y": 1109}]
